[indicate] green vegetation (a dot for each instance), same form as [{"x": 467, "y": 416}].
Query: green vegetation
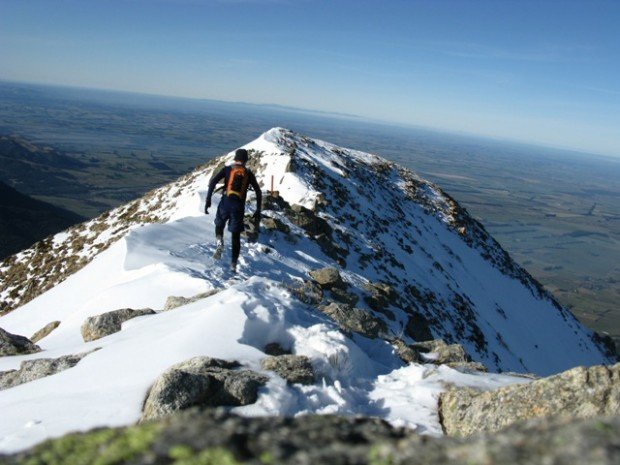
[{"x": 100, "y": 447}]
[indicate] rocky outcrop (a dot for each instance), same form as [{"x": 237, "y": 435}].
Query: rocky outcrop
[
  {"x": 178, "y": 301},
  {"x": 327, "y": 278},
  {"x": 30, "y": 370},
  {"x": 96, "y": 327},
  {"x": 354, "y": 319},
  {"x": 307, "y": 291},
  {"x": 293, "y": 368},
  {"x": 13, "y": 344},
  {"x": 45, "y": 331},
  {"x": 274, "y": 348},
  {"x": 577, "y": 393},
  {"x": 440, "y": 353},
  {"x": 436, "y": 352},
  {"x": 201, "y": 382},
  {"x": 218, "y": 437}
]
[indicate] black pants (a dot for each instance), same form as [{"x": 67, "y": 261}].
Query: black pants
[{"x": 236, "y": 241}]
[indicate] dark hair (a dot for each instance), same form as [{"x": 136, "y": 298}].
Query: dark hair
[{"x": 241, "y": 155}]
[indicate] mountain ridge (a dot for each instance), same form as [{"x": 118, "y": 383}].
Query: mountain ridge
[
  {"x": 362, "y": 199},
  {"x": 357, "y": 261}
]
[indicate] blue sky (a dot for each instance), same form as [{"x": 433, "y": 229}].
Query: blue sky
[{"x": 543, "y": 72}]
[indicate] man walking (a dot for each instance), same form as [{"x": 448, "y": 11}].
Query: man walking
[{"x": 237, "y": 178}]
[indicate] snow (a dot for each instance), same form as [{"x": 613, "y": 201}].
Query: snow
[{"x": 356, "y": 375}]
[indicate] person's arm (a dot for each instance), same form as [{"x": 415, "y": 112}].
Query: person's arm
[
  {"x": 214, "y": 180},
  {"x": 259, "y": 195}
]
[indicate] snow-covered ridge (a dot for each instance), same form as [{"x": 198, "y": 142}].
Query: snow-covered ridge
[
  {"x": 388, "y": 225},
  {"x": 408, "y": 253}
]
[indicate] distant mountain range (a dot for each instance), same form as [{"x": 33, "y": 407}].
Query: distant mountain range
[{"x": 24, "y": 220}]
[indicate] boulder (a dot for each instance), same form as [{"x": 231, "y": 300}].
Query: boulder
[
  {"x": 31, "y": 370},
  {"x": 216, "y": 436},
  {"x": 327, "y": 278},
  {"x": 293, "y": 368},
  {"x": 380, "y": 295},
  {"x": 308, "y": 220},
  {"x": 273, "y": 348},
  {"x": 354, "y": 319},
  {"x": 201, "y": 382},
  {"x": 13, "y": 344},
  {"x": 178, "y": 301},
  {"x": 577, "y": 393},
  {"x": 404, "y": 352},
  {"x": 96, "y": 327},
  {"x": 307, "y": 291},
  {"x": 45, "y": 331},
  {"x": 274, "y": 224},
  {"x": 436, "y": 352},
  {"x": 342, "y": 296},
  {"x": 440, "y": 353}
]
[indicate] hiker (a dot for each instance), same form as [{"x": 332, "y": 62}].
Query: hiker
[{"x": 237, "y": 179}]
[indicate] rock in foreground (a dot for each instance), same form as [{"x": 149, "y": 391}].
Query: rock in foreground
[
  {"x": 577, "y": 393},
  {"x": 217, "y": 437},
  {"x": 201, "y": 382}
]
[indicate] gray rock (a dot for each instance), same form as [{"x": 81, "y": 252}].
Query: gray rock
[
  {"x": 178, "y": 301},
  {"x": 550, "y": 441},
  {"x": 380, "y": 295},
  {"x": 436, "y": 352},
  {"x": 306, "y": 291},
  {"x": 218, "y": 437},
  {"x": 31, "y": 370},
  {"x": 13, "y": 344},
  {"x": 274, "y": 224},
  {"x": 201, "y": 382},
  {"x": 293, "y": 368},
  {"x": 96, "y": 327},
  {"x": 354, "y": 319},
  {"x": 440, "y": 353},
  {"x": 468, "y": 367},
  {"x": 404, "y": 352},
  {"x": 342, "y": 296},
  {"x": 273, "y": 348},
  {"x": 45, "y": 331},
  {"x": 327, "y": 278},
  {"x": 576, "y": 393}
]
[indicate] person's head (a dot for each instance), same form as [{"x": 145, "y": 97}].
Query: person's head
[{"x": 241, "y": 155}]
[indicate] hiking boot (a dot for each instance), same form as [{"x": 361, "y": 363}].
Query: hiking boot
[
  {"x": 233, "y": 267},
  {"x": 219, "y": 249}
]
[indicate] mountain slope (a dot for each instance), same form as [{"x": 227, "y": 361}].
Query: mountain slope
[
  {"x": 407, "y": 252},
  {"x": 24, "y": 220}
]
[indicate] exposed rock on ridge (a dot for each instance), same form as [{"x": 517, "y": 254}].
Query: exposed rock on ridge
[
  {"x": 577, "y": 393},
  {"x": 98, "y": 326},
  {"x": 201, "y": 382},
  {"x": 31, "y": 370},
  {"x": 14, "y": 344}
]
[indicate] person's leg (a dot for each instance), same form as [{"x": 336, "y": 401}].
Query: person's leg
[
  {"x": 221, "y": 217},
  {"x": 235, "y": 226},
  {"x": 236, "y": 247},
  {"x": 219, "y": 234}
]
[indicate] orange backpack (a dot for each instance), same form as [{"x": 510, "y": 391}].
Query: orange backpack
[{"x": 238, "y": 181}]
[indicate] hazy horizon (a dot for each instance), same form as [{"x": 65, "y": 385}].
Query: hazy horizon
[
  {"x": 541, "y": 73},
  {"x": 320, "y": 113}
]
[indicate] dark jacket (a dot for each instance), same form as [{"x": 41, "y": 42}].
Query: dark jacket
[{"x": 224, "y": 174}]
